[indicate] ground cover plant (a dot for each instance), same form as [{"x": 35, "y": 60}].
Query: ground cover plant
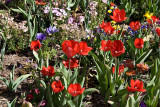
[{"x": 73, "y": 53}]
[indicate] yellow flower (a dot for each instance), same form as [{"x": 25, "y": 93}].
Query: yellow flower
[
  {"x": 116, "y": 27},
  {"x": 113, "y": 22},
  {"x": 109, "y": 11},
  {"x": 111, "y": 7},
  {"x": 148, "y": 15}
]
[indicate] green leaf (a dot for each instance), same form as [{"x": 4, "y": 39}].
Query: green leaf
[
  {"x": 89, "y": 91},
  {"x": 43, "y": 83},
  {"x": 151, "y": 82},
  {"x": 143, "y": 56},
  {"x": 24, "y": 12},
  {"x": 19, "y": 80},
  {"x": 12, "y": 104},
  {"x": 5, "y": 81},
  {"x": 70, "y": 102},
  {"x": 36, "y": 55}
]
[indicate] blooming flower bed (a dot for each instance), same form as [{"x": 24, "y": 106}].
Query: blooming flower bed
[{"x": 85, "y": 36}]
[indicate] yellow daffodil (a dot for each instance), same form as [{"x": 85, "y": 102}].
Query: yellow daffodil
[
  {"x": 109, "y": 11},
  {"x": 148, "y": 15},
  {"x": 111, "y": 7}
]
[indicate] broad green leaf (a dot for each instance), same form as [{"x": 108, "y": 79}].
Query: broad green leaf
[
  {"x": 70, "y": 102},
  {"x": 143, "y": 56},
  {"x": 19, "y": 80},
  {"x": 36, "y": 55},
  {"x": 43, "y": 83},
  {"x": 5, "y": 81}
]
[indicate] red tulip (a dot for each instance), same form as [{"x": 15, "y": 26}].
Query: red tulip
[
  {"x": 109, "y": 29},
  {"x": 73, "y": 63},
  {"x": 106, "y": 45},
  {"x": 83, "y": 48},
  {"x": 135, "y": 25},
  {"x": 117, "y": 48},
  {"x": 48, "y": 71},
  {"x": 70, "y": 48},
  {"x": 158, "y": 31},
  {"x": 57, "y": 86},
  {"x": 75, "y": 89},
  {"x": 136, "y": 85},
  {"x": 153, "y": 21},
  {"x": 35, "y": 45},
  {"x": 103, "y": 25},
  {"x": 138, "y": 43},
  {"x": 112, "y": 4},
  {"x": 118, "y": 15},
  {"x": 121, "y": 69}
]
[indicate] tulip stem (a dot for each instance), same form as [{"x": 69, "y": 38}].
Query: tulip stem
[
  {"x": 116, "y": 68},
  {"x": 104, "y": 56},
  {"x": 79, "y": 62}
]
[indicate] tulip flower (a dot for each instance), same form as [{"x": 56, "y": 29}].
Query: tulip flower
[
  {"x": 57, "y": 86},
  {"x": 138, "y": 43},
  {"x": 49, "y": 71},
  {"x": 106, "y": 45},
  {"x": 135, "y": 25},
  {"x": 136, "y": 85},
  {"x": 83, "y": 48},
  {"x": 121, "y": 69},
  {"x": 109, "y": 29},
  {"x": 117, "y": 48},
  {"x": 158, "y": 31},
  {"x": 70, "y": 48},
  {"x": 153, "y": 21},
  {"x": 73, "y": 63},
  {"x": 118, "y": 15},
  {"x": 75, "y": 89},
  {"x": 35, "y": 45},
  {"x": 103, "y": 25}
]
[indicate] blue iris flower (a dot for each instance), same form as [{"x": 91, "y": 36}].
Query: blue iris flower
[
  {"x": 52, "y": 30},
  {"x": 41, "y": 36}
]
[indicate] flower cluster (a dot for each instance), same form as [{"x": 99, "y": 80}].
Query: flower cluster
[
  {"x": 116, "y": 47},
  {"x": 92, "y": 7},
  {"x": 71, "y": 48}
]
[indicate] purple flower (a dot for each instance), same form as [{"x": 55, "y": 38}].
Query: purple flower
[
  {"x": 58, "y": 14},
  {"x": 41, "y": 36},
  {"x": 46, "y": 10},
  {"x": 81, "y": 18},
  {"x": 52, "y": 30},
  {"x": 142, "y": 104},
  {"x": 70, "y": 20}
]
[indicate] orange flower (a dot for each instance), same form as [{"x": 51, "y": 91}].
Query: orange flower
[
  {"x": 142, "y": 67},
  {"x": 40, "y": 2},
  {"x": 131, "y": 73}
]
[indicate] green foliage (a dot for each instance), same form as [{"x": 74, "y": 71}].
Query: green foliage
[
  {"x": 12, "y": 104},
  {"x": 12, "y": 85}
]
